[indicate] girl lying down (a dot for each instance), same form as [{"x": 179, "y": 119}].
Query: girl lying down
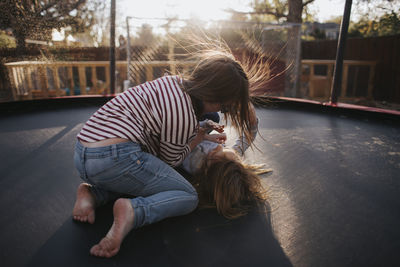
[{"x": 221, "y": 178}]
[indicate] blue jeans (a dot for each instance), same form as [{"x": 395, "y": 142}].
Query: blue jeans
[{"x": 123, "y": 170}]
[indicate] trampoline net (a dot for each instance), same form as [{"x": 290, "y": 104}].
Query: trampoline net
[
  {"x": 150, "y": 48},
  {"x": 159, "y": 46}
]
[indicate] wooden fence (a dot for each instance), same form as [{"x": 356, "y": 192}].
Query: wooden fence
[
  {"x": 319, "y": 85},
  {"x": 385, "y": 51},
  {"x": 36, "y": 79},
  {"x": 381, "y": 52}
]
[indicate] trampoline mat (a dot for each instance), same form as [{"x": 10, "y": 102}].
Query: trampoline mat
[{"x": 333, "y": 196}]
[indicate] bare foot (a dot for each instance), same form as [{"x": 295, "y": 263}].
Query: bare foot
[
  {"x": 85, "y": 205},
  {"x": 123, "y": 224}
]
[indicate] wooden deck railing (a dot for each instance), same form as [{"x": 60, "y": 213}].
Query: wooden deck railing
[{"x": 36, "y": 79}]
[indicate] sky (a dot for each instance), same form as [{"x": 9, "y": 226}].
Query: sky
[
  {"x": 205, "y": 10},
  {"x": 211, "y": 9}
]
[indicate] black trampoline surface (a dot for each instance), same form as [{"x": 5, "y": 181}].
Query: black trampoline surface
[{"x": 334, "y": 194}]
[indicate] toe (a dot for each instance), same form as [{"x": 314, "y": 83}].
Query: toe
[
  {"x": 94, "y": 250},
  {"x": 91, "y": 218}
]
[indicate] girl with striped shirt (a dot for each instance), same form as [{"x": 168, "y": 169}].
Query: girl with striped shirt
[
  {"x": 157, "y": 114},
  {"x": 131, "y": 144}
]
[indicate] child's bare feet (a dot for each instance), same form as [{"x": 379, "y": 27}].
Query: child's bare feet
[
  {"x": 123, "y": 224},
  {"x": 84, "y": 209}
]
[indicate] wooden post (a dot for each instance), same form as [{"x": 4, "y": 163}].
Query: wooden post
[
  {"x": 11, "y": 76},
  {"x": 82, "y": 79},
  {"x": 354, "y": 87},
  {"x": 28, "y": 73},
  {"x": 44, "y": 81},
  {"x": 344, "y": 80},
  {"x": 56, "y": 80},
  {"x": 329, "y": 75},
  {"x": 71, "y": 80},
  {"x": 21, "y": 90},
  {"x": 149, "y": 73},
  {"x": 16, "y": 83},
  {"x": 94, "y": 80},
  {"x": 311, "y": 81}
]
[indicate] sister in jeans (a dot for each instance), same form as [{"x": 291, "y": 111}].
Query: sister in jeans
[{"x": 127, "y": 150}]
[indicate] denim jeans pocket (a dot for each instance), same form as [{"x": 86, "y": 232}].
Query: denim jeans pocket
[
  {"x": 123, "y": 177},
  {"x": 125, "y": 183}
]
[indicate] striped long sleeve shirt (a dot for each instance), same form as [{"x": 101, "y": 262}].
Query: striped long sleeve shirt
[{"x": 157, "y": 114}]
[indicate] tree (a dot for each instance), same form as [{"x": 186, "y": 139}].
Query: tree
[
  {"x": 98, "y": 33},
  {"x": 375, "y": 18},
  {"x": 277, "y": 10},
  {"x": 37, "y": 19},
  {"x": 318, "y": 34},
  {"x": 284, "y": 11},
  {"x": 374, "y": 9},
  {"x": 145, "y": 35},
  {"x": 6, "y": 40},
  {"x": 388, "y": 24}
]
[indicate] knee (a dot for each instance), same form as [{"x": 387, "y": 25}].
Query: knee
[
  {"x": 192, "y": 203},
  {"x": 196, "y": 200}
]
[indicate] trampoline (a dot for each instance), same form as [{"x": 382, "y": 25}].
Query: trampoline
[{"x": 333, "y": 194}]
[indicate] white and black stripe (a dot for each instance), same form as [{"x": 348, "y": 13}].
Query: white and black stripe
[{"x": 156, "y": 114}]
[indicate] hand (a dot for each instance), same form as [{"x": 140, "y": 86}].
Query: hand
[
  {"x": 216, "y": 138},
  {"x": 214, "y": 126}
]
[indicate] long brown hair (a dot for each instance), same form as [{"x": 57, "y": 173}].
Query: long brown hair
[
  {"x": 219, "y": 77},
  {"x": 230, "y": 186}
]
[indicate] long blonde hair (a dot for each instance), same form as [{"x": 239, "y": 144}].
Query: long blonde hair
[{"x": 230, "y": 186}]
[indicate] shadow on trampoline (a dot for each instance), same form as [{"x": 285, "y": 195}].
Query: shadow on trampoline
[{"x": 202, "y": 238}]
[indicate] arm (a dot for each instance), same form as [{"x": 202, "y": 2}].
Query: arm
[
  {"x": 198, "y": 138},
  {"x": 210, "y": 126},
  {"x": 216, "y": 138},
  {"x": 167, "y": 149},
  {"x": 242, "y": 144},
  {"x": 179, "y": 129},
  {"x": 202, "y": 135}
]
